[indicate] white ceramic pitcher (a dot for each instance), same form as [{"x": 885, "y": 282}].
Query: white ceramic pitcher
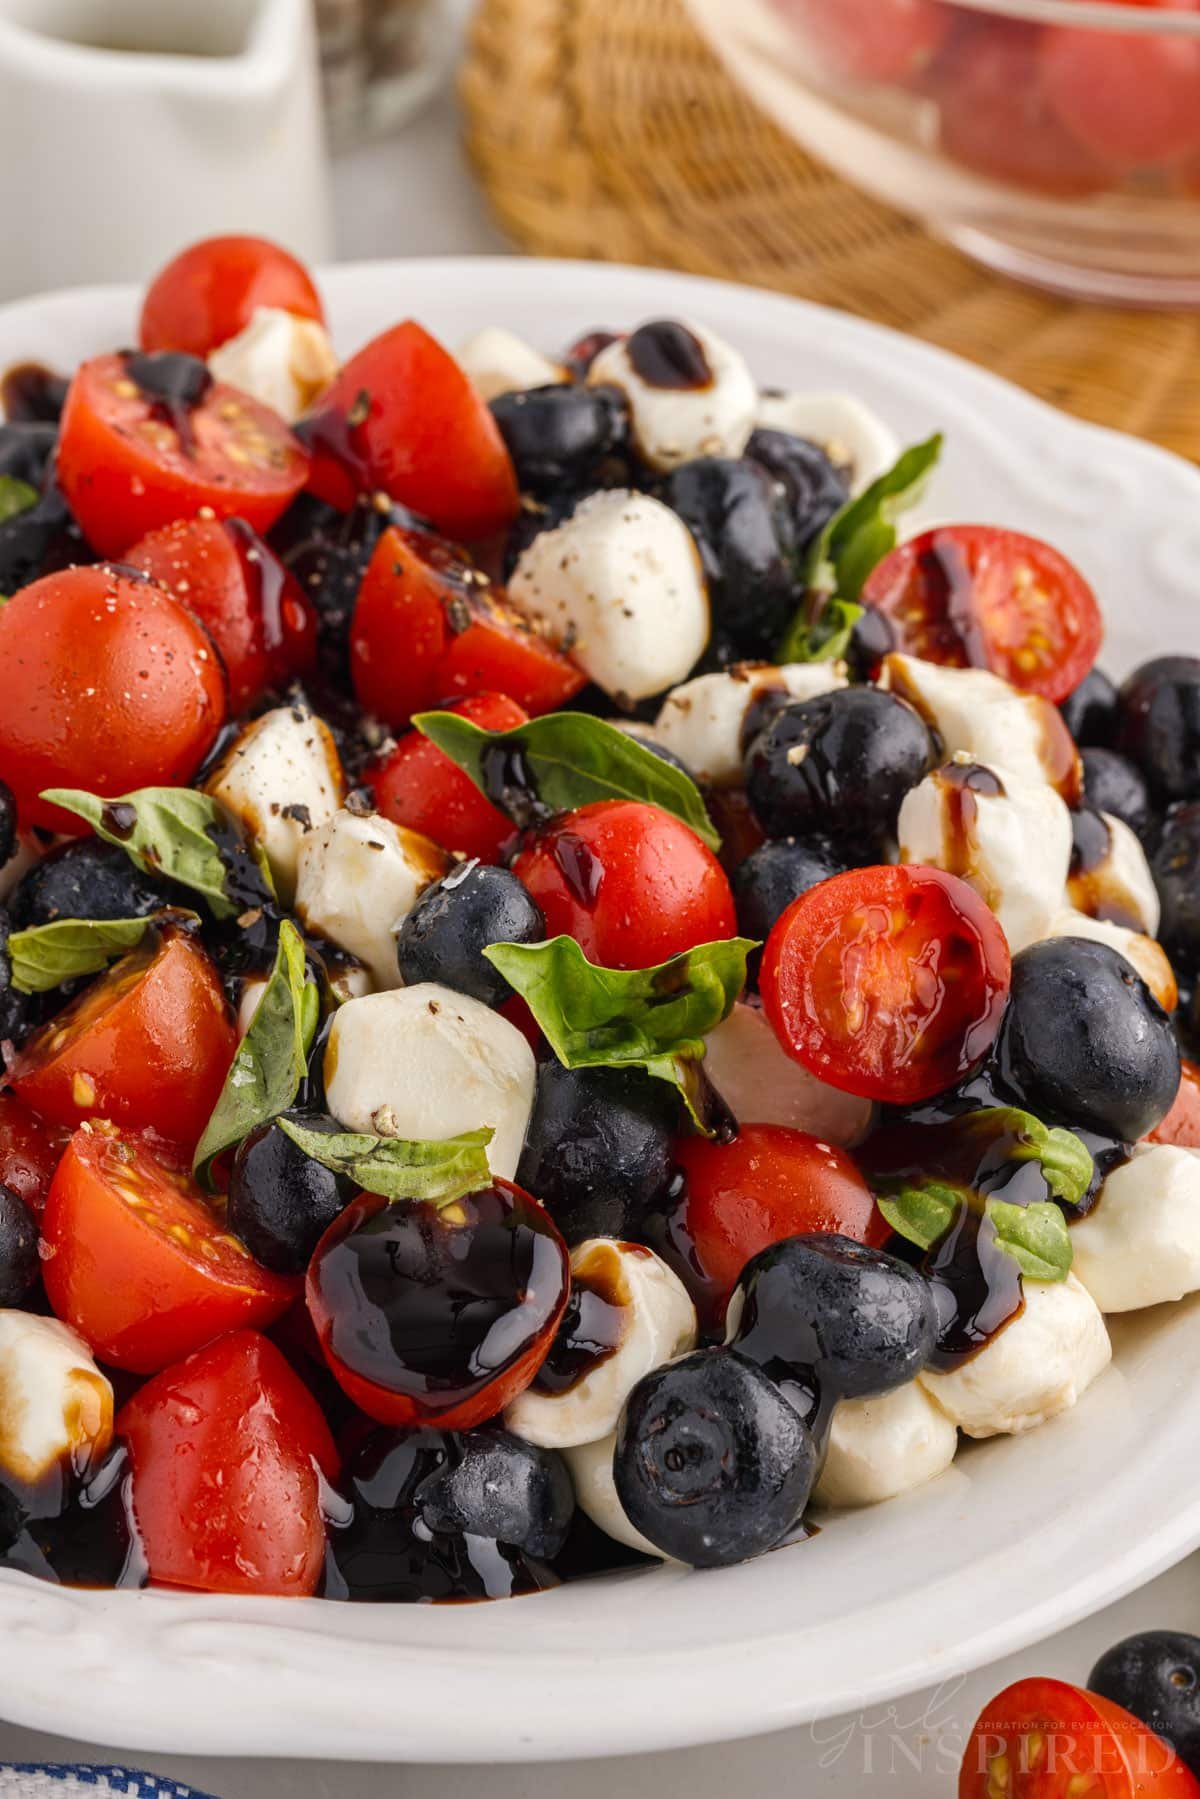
[{"x": 130, "y": 127}]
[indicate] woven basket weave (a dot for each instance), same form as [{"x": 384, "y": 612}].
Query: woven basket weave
[{"x": 606, "y": 128}]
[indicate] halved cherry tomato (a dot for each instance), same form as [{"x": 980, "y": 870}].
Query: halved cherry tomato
[
  {"x": 632, "y": 884},
  {"x": 872, "y": 40},
  {"x": 237, "y": 587},
  {"x": 1132, "y": 99},
  {"x": 767, "y": 1184},
  {"x": 976, "y": 596},
  {"x": 227, "y": 1451},
  {"x": 403, "y": 416},
  {"x": 30, "y": 1150},
  {"x": 211, "y": 291},
  {"x": 1182, "y": 1123},
  {"x": 105, "y": 683},
  {"x": 126, "y": 467},
  {"x": 417, "y": 785},
  {"x": 427, "y": 625},
  {"x": 139, "y": 1262},
  {"x": 148, "y": 1044},
  {"x": 1044, "y": 1739},
  {"x": 887, "y": 982}
]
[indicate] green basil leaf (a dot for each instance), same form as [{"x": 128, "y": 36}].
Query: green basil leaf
[
  {"x": 561, "y": 761},
  {"x": 987, "y": 1140},
  {"x": 1036, "y": 1236},
  {"x": 853, "y": 543},
  {"x": 922, "y": 1211},
  {"x": 165, "y": 830},
  {"x": 45, "y": 955},
  {"x": 396, "y": 1167},
  {"x": 16, "y": 496},
  {"x": 650, "y": 1018},
  {"x": 271, "y": 1059}
]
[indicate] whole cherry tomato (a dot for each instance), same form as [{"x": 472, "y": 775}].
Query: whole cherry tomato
[
  {"x": 211, "y": 291},
  {"x": 1132, "y": 99},
  {"x": 417, "y": 785},
  {"x": 871, "y": 40}
]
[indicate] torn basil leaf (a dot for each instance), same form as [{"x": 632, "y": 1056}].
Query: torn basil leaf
[
  {"x": 396, "y": 1167},
  {"x": 650, "y": 1018},
  {"x": 564, "y": 760},
  {"x": 171, "y": 831},
  {"x": 16, "y": 496},
  {"x": 43, "y": 956},
  {"x": 265, "y": 1075},
  {"x": 1037, "y": 1236}
]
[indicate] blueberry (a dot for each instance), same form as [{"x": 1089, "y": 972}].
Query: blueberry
[
  {"x": 85, "y": 879},
  {"x": 281, "y": 1202},
  {"x": 543, "y": 514},
  {"x": 1112, "y": 783},
  {"x": 558, "y": 436},
  {"x": 860, "y": 1321},
  {"x": 871, "y": 639},
  {"x": 1156, "y": 1676},
  {"x": 18, "y": 1248},
  {"x": 39, "y": 541},
  {"x": 711, "y": 1463},
  {"x": 501, "y": 1487},
  {"x": 598, "y": 1149},
  {"x": 1160, "y": 725},
  {"x": 18, "y": 1011},
  {"x": 328, "y": 551},
  {"x": 1092, "y": 713},
  {"x": 813, "y": 489},
  {"x": 8, "y": 823},
  {"x": 444, "y": 936},
  {"x": 734, "y": 512},
  {"x": 26, "y": 449},
  {"x": 840, "y": 764},
  {"x": 1085, "y": 1042},
  {"x": 779, "y": 871},
  {"x": 1175, "y": 866}
]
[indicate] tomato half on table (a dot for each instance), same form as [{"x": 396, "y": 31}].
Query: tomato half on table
[
  {"x": 148, "y": 1045},
  {"x": 403, "y": 416},
  {"x": 416, "y": 785},
  {"x": 1044, "y": 1739},
  {"x": 106, "y": 683},
  {"x": 227, "y": 1451},
  {"x": 427, "y": 626},
  {"x": 887, "y": 982},
  {"x": 976, "y": 596},
  {"x": 211, "y": 291},
  {"x": 129, "y": 463},
  {"x": 30, "y": 1151},
  {"x": 139, "y": 1262},
  {"x": 769, "y": 1183}
]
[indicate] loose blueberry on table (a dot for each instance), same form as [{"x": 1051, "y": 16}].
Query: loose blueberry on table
[{"x": 568, "y": 996}]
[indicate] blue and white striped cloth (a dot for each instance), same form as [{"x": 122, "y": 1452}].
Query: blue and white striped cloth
[{"x": 57, "y": 1780}]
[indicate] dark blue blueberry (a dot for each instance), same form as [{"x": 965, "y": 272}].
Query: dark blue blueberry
[
  {"x": 501, "y": 1487},
  {"x": 328, "y": 552},
  {"x": 85, "y": 879},
  {"x": 1112, "y": 783},
  {"x": 1092, "y": 713},
  {"x": 1175, "y": 866},
  {"x": 444, "y": 936},
  {"x": 559, "y": 435},
  {"x": 26, "y": 449},
  {"x": 712, "y": 1464},
  {"x": 8, "y": 823},
  {"x": 840, "y": 765},
  {"x": 18, "y": 1248},
  {"x": 281, "y": 1201},
  {"x": 735, "y": 513},
  {"x": 598, "y": 1149},
  {"x": 1160, "y": 726},
  {"x": 1084, "y": 1041},
  {"x": 813, "y": 488},
  {"x": 779, "y": 871},
  {"x": 1156, "y": 1676},
  {"x": 18, "y": 1011}
]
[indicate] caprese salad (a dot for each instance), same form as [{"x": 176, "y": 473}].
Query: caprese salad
[{"x": 570, "y": 989}]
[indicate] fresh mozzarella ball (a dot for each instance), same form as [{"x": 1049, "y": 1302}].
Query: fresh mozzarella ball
[
  {"x": 1036, "y": 1366},
  {"x": 427, "y": 1063},
  {"x": 851, "y": 435},
  {"x": 282, "y": 779},
  {"x": 980, "y": 715},
  {"x": 619, "y": 584},
  {"x": 1140, "y": 1243},
  {"x": 704, "y": 721},
  {"x": 55, "y": 1404},
  {"x": 497, "y": 362},
  {"x": 358, "y": 879},
  {"x": 19, "y": 863},
  {"x": 676, "y": 424},
  {"x": 658, "y": 1323},
  {"x": 882, "y": 1447},
  {"x": 281, "y": 359},
  {"x": 761, "y": 1084},
  {"x": 1008, "y": 837},
  {"x": 1147, "y": 956},
  {"x": 1121, "y": 883},
  {"x": 591, "y": 1469}
]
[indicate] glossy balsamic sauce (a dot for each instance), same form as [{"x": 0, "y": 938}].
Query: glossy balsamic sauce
[
  {"x": 592, "y": 1327},
  {"x": 1092, "y": 886},
  {"x": 953, "y": 633},
  {"x": 173, "y": 385},
  {"x": 585, "y": 349},
  {"x": 265, "y": 576},
  {"x": 1108, "y": 1154},
  {"x": 976, "y": 1288},
  {"x": 33, "y": 394},
  {"x": 72, "y": 1530},
  {"x": 509, "y": 782},
  {"x": 766, "y": 702},
  {"x": 119, "y": 819},
  {"x": 332, "y": 432},
  {"x": 665, "y": 354},
  {"x": 960, "y": 785},
  {"x": 580, "y": 866}
]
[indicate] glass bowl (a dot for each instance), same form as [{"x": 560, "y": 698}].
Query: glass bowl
[{"x": 1055, "y": 140}]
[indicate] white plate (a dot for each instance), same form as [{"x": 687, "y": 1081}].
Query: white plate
[{"x": 1019, "y": 1539}]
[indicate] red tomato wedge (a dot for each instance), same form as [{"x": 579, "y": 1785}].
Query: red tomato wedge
[
  {"x": 30, "y": 1151},
  {"x": 139, "y": 1262},
  {"x": 211, "y": 291},
  {"x": 128, "y": 464},
  {"x": 428, "y": 626},
  {"x": 417, "y": 785},
  {"x": 1044, "y": 1739},
  {"x": 975, "y": 596},
  {"x": 402, "y": 416},
  {"x": 227, "y": 1452},
  {"x": 148, "y": 1045},
  {"x": 887, "y": 982}
]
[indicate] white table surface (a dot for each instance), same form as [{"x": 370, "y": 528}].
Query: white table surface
[{"x": 413, "y": 195}]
